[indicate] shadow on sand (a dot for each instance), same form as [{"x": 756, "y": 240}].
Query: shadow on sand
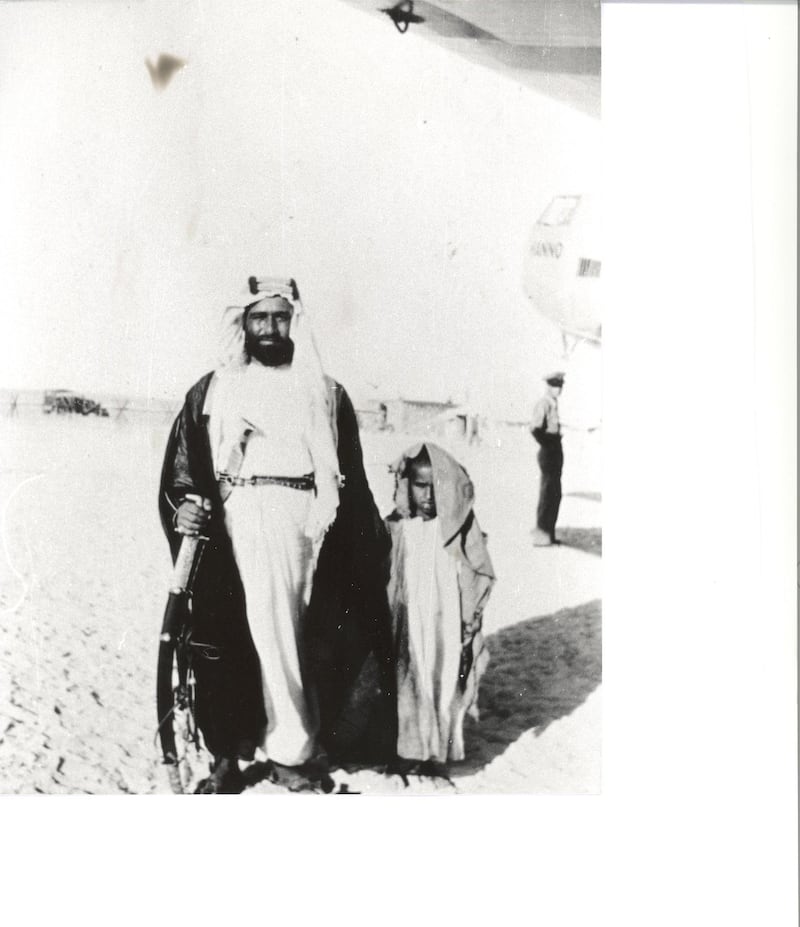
[
  {"x": 589, "y": 540},
  {"x": 540, "y": 670}
]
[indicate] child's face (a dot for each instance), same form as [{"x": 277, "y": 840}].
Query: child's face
[{"x": 420, "y": 481}]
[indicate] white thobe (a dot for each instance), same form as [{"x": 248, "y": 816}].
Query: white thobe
[
  {"x": 434, "y": 640},
  {"x": 267, "y": 525}
]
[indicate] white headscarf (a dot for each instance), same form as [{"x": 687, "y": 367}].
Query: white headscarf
[{"x": 310, "y": 380}]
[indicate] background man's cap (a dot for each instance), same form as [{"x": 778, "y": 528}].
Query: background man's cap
[{"x": 556, "y": 378}]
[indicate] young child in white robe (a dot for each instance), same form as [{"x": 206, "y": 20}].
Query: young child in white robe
[{"x": 440, "y": 581}]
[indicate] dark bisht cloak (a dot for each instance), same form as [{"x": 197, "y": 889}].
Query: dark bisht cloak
[{"x": 347, "y": 620}]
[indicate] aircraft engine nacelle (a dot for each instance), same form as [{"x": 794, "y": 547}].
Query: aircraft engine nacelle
[{"x": 562, "y": 266}]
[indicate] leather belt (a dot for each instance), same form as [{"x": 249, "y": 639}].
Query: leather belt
[{"x": 305, "y": 482}]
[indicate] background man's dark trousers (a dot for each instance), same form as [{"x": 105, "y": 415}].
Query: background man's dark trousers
[{"x": 551, "y": 463}]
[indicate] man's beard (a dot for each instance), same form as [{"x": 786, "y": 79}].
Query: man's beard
[{"x": 270, "y": 355}]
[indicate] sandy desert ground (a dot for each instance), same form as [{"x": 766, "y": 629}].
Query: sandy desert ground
[{"x": 84, "y": 571}]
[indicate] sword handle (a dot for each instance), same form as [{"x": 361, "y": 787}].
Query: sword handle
[{"x": 182, "y": 570}]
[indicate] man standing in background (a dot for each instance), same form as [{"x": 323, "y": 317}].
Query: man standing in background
[{"x": 546, "y": 429}]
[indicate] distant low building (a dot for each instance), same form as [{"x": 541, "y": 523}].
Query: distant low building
[
  {"x": 66, "y": 402},
  {"x": 372, "y": 415},
  {"x": 420, "y": 414}
]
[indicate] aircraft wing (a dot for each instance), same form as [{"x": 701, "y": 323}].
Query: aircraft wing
[{"x": 552, "y": 46}]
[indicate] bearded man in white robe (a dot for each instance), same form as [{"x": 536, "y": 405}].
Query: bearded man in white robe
[{"x": 265, "y": 460}]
